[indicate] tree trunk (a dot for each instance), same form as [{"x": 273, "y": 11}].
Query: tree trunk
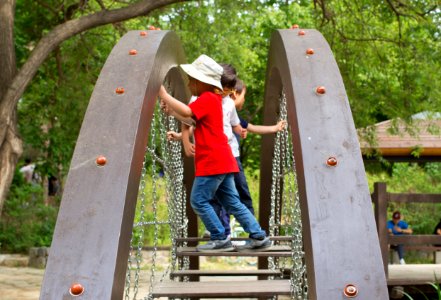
[
  {"x": 10, "y": 151},
  {"x": 13, "y": 84},
  {"x": 10, "y": 142}
]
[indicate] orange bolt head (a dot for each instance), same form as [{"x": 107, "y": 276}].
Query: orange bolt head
[
  {"x": 119, "y": 90},
  {"x": 133, "y": 52},
  {"x": 310, "y": 51},
  {"x": 350, "y": 291},
  {"x": 320, "y": 90},
  {"x": 301, "y": 32},
  {"x": 76, "y": 289},
  {"x": 157, "y": 28},
  {"x": 151, "y": 27},
  {"x": 143, "y": 33},
  {"x": 101, "y": 160},
  {"x": 295, "y": 26},
  {"x": 332, "y": 161}
]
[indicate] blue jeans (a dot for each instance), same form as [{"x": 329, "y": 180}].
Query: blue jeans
[
  {"x": 241, "y": 184},
  {"x": 400, "y": 250},
  {"x": 221, "y": 214},
  {"x": 242, "y": 187},
  {"x": 205, "y": 188}
]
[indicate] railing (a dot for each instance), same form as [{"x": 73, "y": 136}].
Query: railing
[{"x": 381, "y": 198}]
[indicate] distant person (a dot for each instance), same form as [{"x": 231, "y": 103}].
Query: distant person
[
  {"x": 437, "y": 231},
  {"x": 28, "y": 171},
  {"x": 53, "y": 186},
  {"x": 396, "y": 226}
]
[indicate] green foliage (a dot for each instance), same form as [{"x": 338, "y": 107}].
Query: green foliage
[
  {"x": 436, "y": 286},
  {"x": 26, "y": 222},
  {"x": 154, "y": 207},
  {"x": 387, "y": 56}
]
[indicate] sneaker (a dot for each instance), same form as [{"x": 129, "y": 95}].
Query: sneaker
[
  {"x": 402, "y": 262},
  {"x": 255, "y": 244},
  {"x": 216, "y": 246},
  {"x": 238, "y": 243},
  {"x": 206, "y": 234}
]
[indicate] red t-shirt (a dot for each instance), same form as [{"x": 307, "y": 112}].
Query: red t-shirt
[{"x": 213, "y": 155}]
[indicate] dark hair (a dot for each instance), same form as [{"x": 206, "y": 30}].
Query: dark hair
[
  {"x": 239, "y": 85},
  {"x": 396, "y": 215},
  {"x": 228, "y": 78}
]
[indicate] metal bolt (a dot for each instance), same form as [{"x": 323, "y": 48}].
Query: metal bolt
[
  {"x": 320, "y": 90},
  {"x": 101, "y": 160},
  {"x": 119, "y": 90},
  {"x": 133, "y": 52},
  {"x": 295, "y": 26},
  {"x": 301, "y": 32},
  {"x": 350, "y": 291},
  {"x": 143, "y": 33},
  {"x": 76, "y": 289},
  {"x": 310, "y": 51},
  {"x": 332, "y": 161}
]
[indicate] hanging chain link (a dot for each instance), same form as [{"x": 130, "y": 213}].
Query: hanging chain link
[
  {"x": 285, "y": 208},
  {"x": 165, "y": 156}
]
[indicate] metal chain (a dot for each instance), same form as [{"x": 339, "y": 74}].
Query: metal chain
[
  {"x": 285, "y": 207},
  {"x": 166, "y": 155}
]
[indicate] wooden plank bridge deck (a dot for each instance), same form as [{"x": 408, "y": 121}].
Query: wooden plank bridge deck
[{"x": 222, "y": 289}]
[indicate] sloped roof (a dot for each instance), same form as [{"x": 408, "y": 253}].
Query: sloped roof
[{"x": 393, "y": 138}]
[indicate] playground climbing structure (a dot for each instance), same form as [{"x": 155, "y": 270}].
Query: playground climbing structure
[{"x": 314, "y": 177}]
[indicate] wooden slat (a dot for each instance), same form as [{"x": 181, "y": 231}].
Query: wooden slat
[
  {"x": 415, "y": 198},
  {"x": 199, "y": 239},
  {"x": 179, "y": 273},
  {"x": 415, "y": 239},
  {"x": 276, "y": 251},
  {"x": 422, "y": 248},
  {"x": 216, "y": 289}
]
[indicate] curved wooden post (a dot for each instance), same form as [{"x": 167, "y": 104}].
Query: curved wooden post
[
  {"x": 92, "y": 236},
  {"x": 339, "y": 232}
]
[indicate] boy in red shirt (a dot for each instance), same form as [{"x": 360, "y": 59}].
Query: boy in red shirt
[{"x": 214, "y": 162}]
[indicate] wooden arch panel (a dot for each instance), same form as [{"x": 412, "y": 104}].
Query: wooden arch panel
[
  {"x": 92, "y": 235},
  {"x": 339, "y": 232}
]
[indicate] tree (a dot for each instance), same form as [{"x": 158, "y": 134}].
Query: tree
[
  {"x": 78, "y": 17},
  {"x": 387, "y": 51}
]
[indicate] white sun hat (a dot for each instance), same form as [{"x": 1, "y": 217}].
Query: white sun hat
[{"x": 205, "y": 69}]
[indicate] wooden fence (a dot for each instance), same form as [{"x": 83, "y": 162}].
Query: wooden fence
[{"x": 381, "y": 199}]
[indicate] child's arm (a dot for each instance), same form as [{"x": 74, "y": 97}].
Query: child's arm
[
  {"x": 187, "y": 132},
  {"x": 175, "y": 105},
  {"x": 261, "y": 129},
  {"x": 166, "y": 109},
  {"x": 237, "y": 129},
  {"x": 174, "y": 136},
  {"x": 242, "y": 132}
]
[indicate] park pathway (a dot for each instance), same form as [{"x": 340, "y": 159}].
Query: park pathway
[{"x": 18, "y": 282}]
